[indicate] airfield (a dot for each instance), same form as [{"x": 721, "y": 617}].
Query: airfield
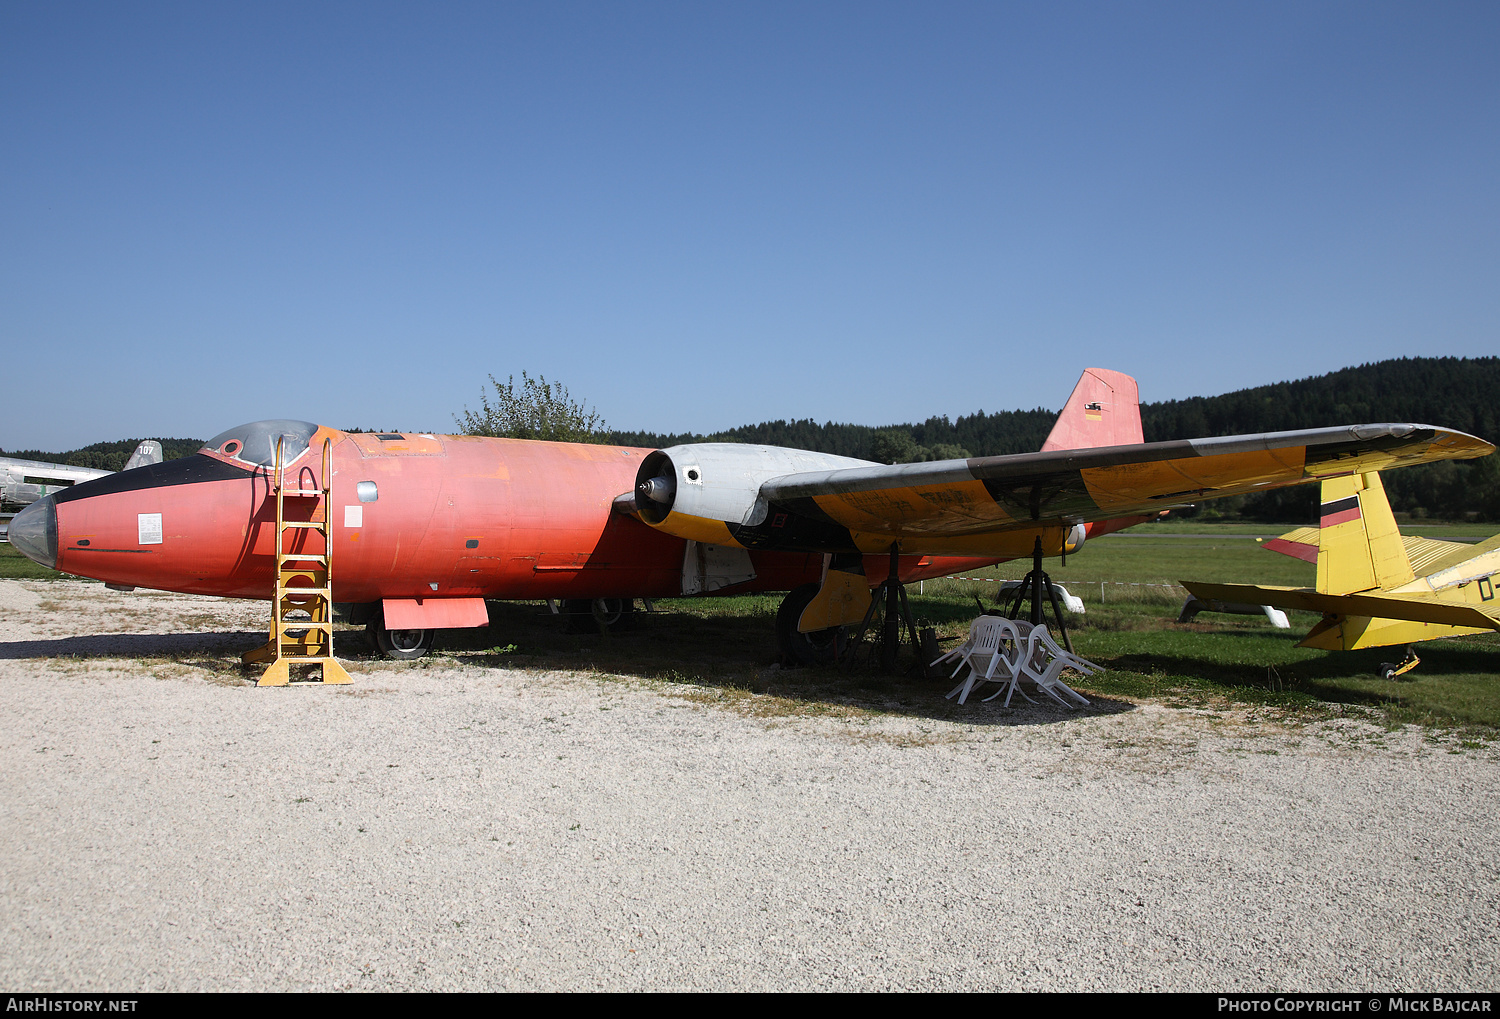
[{"x": 539, "y": 810}]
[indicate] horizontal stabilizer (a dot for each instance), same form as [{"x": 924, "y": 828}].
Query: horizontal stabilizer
[
  {"x": 1299, "y": 544},
  {"x": 1424, "y": 553},
  {"x": 1384, "y": 606}
]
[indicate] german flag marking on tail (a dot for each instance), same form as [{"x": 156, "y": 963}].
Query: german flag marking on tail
[{"x": 1340, "y": 512}]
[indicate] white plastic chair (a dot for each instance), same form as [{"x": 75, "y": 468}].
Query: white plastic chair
[
  {"x": 1028, "y": 658},
  {"x": 986, "y": 649},
  {"x": 1083, "y": 665},
  {"x": 961, "y": 652},
  {"x": 1039, "y": 648}
]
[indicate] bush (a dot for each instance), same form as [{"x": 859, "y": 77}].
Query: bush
[{"x": 541, "y": 410}]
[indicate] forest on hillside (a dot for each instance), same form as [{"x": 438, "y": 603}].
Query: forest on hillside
[{"x": 107, "y": 456}]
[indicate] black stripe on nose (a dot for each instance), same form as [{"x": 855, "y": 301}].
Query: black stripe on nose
[{"x": 190, "y": 470}]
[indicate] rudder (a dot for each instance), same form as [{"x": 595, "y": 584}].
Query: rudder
[
  {"x": 1104, "y": 410},
  {"x": 1359, "y": 544}
]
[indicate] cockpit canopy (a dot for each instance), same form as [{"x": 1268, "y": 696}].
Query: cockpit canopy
[{"x": 255, "y": 443}]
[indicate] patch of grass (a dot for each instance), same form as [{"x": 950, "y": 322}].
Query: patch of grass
[{"x": 15, "y": 566}]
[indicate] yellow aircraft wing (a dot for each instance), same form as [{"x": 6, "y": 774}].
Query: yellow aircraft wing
[
  {"x": 769, "y": 497},
  {"x": 960, "y": 506}
]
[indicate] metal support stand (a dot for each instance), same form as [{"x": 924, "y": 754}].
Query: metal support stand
[
  {"x": 892, "y": 595},
  {"x": 1032, "y": 586}
]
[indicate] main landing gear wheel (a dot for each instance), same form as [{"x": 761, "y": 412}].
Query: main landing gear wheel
[
  {"x": 608, "y": 612},
  {"x": 598, "y": 615},
  {"x": 795, "y": 647},
  {"x": 402, "y": 645}
]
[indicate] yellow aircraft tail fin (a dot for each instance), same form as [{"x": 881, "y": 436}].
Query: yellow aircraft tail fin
[{"x": 1359, "y": 546}]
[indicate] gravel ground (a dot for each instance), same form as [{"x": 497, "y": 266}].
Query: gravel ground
[{"x": 459, "y": 828}]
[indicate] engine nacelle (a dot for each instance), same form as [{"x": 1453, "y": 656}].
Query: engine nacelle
[{"x": 694, "y": 491}]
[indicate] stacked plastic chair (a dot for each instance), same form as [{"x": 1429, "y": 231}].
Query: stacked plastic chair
[
  {"x": 1042, "y": 662},
  {"x": 1007, "y": 651},
  {"x": 992, "y": 645}
]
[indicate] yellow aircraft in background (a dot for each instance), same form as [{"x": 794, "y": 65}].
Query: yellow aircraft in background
[{"x": 1376, "y": 586}]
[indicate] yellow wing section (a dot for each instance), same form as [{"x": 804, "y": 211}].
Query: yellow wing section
[
  {"x": 964, "y": 507},
  {"x": 1415, "y": 607}
]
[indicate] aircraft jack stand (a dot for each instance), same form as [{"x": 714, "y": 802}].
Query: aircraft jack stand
[
  {"x": 1032, "y": 586},
  {"x": 1390, "y": 670},
  {"x": 303, "y": 586},
  {"x": 892, "y": 595}
]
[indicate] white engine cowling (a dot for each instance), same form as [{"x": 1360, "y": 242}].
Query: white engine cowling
[{"x": 693, "y": 491}]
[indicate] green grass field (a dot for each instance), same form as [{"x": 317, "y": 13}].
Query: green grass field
[{"x": 726, "y": 645}]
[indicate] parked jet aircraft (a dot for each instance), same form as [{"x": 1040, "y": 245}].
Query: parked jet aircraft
[
  {"x": 1376, "y": 586},
  {"x": 23, "y": 482},
  {"x": 428, "y": 526}
]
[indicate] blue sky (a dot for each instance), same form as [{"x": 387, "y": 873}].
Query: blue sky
[{"x": 708, "y": 214}]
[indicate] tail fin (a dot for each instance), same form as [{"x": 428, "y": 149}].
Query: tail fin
[
  {"x": 1359, "y": 545},
  {"x": 148, "y": 452},
  {"x": 1104, "y": 410}
]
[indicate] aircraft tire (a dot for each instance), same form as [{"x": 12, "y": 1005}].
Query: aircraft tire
[
  {"x": 598, "y": 615},
  {"x": 794, "y": 647},
  {"x": 402, "y": 645},
  {"x": 608, "y": 611}
]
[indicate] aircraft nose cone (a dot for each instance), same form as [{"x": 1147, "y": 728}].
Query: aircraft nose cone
[{"x": 34, "y": 532}]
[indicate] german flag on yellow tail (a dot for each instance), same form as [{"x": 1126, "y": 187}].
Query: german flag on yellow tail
[{"x": 1369, "y": 589}]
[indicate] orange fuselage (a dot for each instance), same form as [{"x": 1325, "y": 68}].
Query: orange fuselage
[{"x": 452, "y": 516}]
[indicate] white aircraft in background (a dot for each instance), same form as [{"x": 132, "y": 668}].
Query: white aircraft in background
[{"x": 23, "y": 482}]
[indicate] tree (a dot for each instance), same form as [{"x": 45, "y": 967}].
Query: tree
[
  {"x": 541, "y": 410},
  {"x": 896, "y": 446},
  {"x": 893, "y": 446}
]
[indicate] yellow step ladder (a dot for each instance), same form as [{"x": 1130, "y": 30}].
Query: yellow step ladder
[{"x": 303, "y": 582}]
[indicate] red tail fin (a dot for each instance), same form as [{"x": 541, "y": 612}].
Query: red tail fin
[{"x": 1104, "y": 410}]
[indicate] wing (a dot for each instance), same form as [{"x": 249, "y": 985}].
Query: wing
[{"x": 998, "y": 505}]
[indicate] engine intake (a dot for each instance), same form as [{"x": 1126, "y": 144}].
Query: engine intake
[{"x": 693, "y": 490}]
